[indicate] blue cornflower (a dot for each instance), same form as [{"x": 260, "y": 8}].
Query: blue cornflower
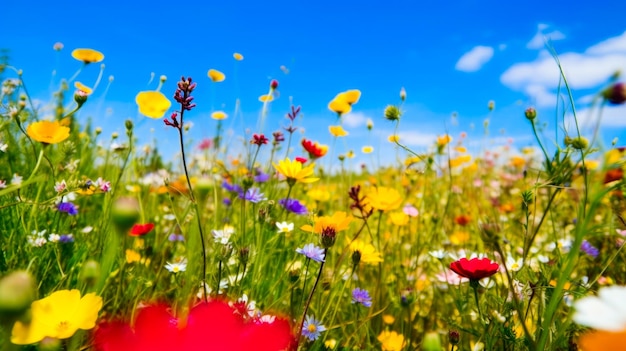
[
  {"x": 253, "y": 195},
  {"x": 312, "y": 328},
  {"x": 68, "y": 208},
  {"x": 361, "y": 296},
  {"x": 313, "y": 252},
  {"x": 66, "y": 238},
  {"x": 589, "y": 249},
  {"x": 293, "y": 206},
  {"x": 261, "y": 177},
  {"x": 175, "y": 237},
  {"x": 232, "y": 187},
  {"x": 227, "y": 202}
]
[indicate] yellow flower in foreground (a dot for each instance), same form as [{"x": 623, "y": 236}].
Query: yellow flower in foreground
[
  {"x": 338, "y": 222},
  {"x": 238, "y": 56},
  {"x": 342, "y": 103},
  {"x": 48, "y": 132},
  {"x": 295, "y": 172},
  {"x": 321, "y": 194},
  {"x": 218, "y": 115},
  {"x": 391, "y": 341},
  {"x": 58, "y": 316},
  {"x": 87, "y": 55},
  {"x": 80, "y": 86},
  {"x": 152, "y": 104},
  {"x": 337, "y": 131},
  {"x": 367, "y": 251},
  {"x": 339, "y": 107},
  {"x": 216, "y": 76},
  {"x": 367, "y": 149},
  {"x": 351, "y": 96},
  {"x": 458, "y": 161},
  {"x": 384, "y": 199}
]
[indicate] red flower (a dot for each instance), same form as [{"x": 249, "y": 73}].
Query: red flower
[
  {"x": 463, "y": 219},
  {"x": 141, "y": 229},
  {"x": 613, "y": 174},
  {"x": 210, "y": 326},
  {"x": 273, "y": 84},
  {"x": 314, "y": 149},
  {"x": 258, "y": 139},
  {"x": 475, "y": 268},
  {"x": 301, "y": 159}
]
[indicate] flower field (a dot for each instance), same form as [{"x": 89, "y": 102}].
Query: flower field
[{"x": 105, "y": 245}]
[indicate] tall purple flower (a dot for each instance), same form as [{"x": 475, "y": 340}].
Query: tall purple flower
[
  {"x": 293, "y": 206},
  {"x": 234, "y": 188},
  {"x": 361, "y": 296},
  {"x": 253, "y": 195},
  {"x": 68, "y": 208},
  {"x": 589, "y": 249}
]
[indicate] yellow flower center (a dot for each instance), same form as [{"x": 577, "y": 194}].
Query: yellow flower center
[{"x": 312, "y": 328}]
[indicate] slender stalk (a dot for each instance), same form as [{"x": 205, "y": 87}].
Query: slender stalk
[{"x": 308, "y": 301}]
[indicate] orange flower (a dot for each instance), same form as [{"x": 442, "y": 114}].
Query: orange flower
[
  {"x": 87, "y": 55},
  {"x": 339, "y": 221},
  {"x": 603, "y": 340},
  {"x": 48, "y": 132},
  {"x": 462, "y": 220}
]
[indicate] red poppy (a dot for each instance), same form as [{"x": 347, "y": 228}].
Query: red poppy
[
  {"x": 474, "y": 269},
  {"x": 462, "y": 219},
  {"x": 314, "y": 149},
  {"x": 209, "y": 326},
  {"x": 613, "y": 174},
  {"x": 141, "y": 229},
  {"x": 301, "y": 159}
]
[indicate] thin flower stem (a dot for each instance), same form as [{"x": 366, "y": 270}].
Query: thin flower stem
[
  {"x": 308, "y": 301},
  {"x": 474, "y": 285}
]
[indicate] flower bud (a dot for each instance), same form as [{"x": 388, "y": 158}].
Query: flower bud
[
  {"x": 491, "y": 105},
  {"x": 125, "y": 213},
  {"x": 80, "y": 97},
  {"x": 530, "y": 113},
  {"x": 580, "y": 143},
  {"x": 402, "y": 94},
  {"x": 454, "y": 337},
  {"x": 129, "y": 124},
  {"x": 17, "y": 292},
  {"x": 370, "y": 124},
  {"x": 615, "y": 94},
  {"x": 273, "y": 84},
  {"x": 392, "y": 113},
  {"x": 89, "y": 273},
  {"x": 431, "y": 342}
]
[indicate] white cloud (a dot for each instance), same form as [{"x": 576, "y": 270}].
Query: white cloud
[
  {"x": 540, "y": 38},
  {"x": 540, "y": 78},
  {"x": 612, "y": 116},
  {"x": 354, "y": 119},
  {"x": 417, "y": 138},
  {"x": 474, "y": 59}
]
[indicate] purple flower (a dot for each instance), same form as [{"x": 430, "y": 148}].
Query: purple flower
[
  {"x": 311, "y": 328},
  {"x": 261, "y": 177},
  {"x": 313, "y": 252},
  {"x": 66, "y": 238},
  {"x": 176, "y": 237},
  {"x": 232, "y": 187},
  {"x": 589, "y": 249},
  {"x": 293, "y": 206},
  {"x": 253, "y": 195},
  {"x": 361, "y": 296},
  {"x": 68, "y": 208},
  {"x": 227, "y": 202}
]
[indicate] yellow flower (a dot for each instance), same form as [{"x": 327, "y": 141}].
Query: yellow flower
[
  {"x": 443, "y": 140},
  {"x": 48, "y": 132},
  {"x": 388, "y": 319},
  {"x": 391, "y": 341},
  {"x": 87, "y": 55},
  {"x": 384, "y": 199},
  {"x": 367, "y": 251},
  {"x": 367, "y": 149},
  {"x": 58, "y": 316},
  {"x": 266, "y": 98},
  {"x": 457, "y": 161},
  {"x": 337, "y": 131},
  {"x": 459, "y": 237},
  {"x": 350, "y": 154},
  {"x": 320, "y": 194},
  {"x": 393, "y": 138},
  {"x": 339, "y": 221},
  {"x": 399, "y": 218},
  {"x": 294, "y": 172},
  {"x": 342, "y": 103},
  {"x": 218, "y": 115},
  {"x": 460, "y": 149},
  {"x": 132, "y": 256},
  {"x": 330, "y": 344},
  {"x": 216, "y": 76},
  {"x": 152, "y": 104},
  {"x": 80, "y": 86},
  {"x": 238, "y": 56}
]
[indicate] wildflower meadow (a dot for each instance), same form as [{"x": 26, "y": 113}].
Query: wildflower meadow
[{"x": 272, "y": 240}]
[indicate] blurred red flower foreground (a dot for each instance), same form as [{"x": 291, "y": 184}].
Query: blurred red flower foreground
[
  {"x": 214, "y": 326},
  {"x": 474, "y": 269}
]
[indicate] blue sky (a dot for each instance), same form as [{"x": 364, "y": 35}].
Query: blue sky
[{"x": 451, "y": 57}]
